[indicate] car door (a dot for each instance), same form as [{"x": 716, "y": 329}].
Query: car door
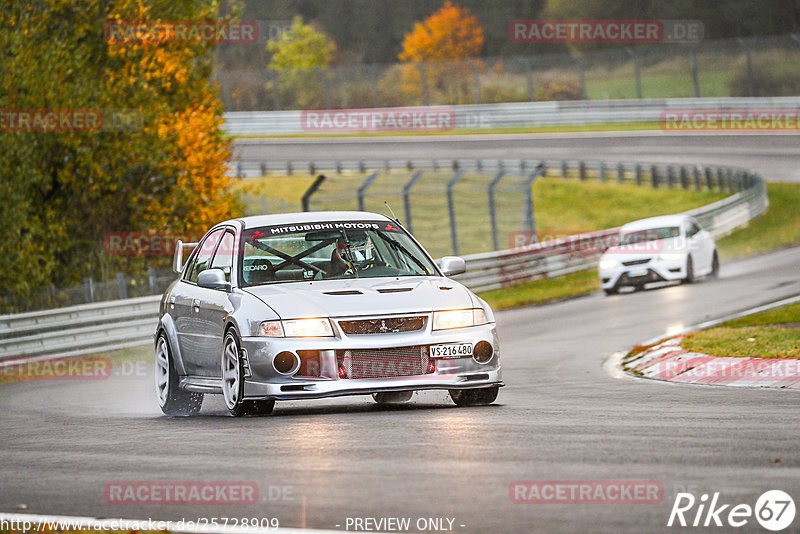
[
  {"x": 191, "y": 328},
  {"x": 214, "y": 307}
]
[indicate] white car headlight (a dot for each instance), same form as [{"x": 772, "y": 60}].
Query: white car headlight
[
  {"x": 671, "y": 256},
  {"x": 445, "y": 320},
  {"x": 319, "y": 327},
  {"x": 608, "y": 263}
]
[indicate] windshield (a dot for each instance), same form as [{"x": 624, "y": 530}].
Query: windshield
[
  {"x": 650, "y": 234},
  {"x": 329, "y": 251}
]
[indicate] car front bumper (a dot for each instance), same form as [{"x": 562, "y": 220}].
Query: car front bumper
[
  {"x": 655, "y": 270},
  {"x": 449, "y": 373}
]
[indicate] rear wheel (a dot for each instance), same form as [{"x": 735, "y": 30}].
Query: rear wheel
[
  {"x": 474, "y": 397},
  {"x": 171, "y": 399},
  {"x": 392, "y": 397}
]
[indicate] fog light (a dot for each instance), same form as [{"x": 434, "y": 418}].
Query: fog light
[
  {"x": 482, "y": 352},
  {"x": 286, "y": 363}
]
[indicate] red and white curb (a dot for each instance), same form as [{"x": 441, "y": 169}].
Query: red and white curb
[
  {"x": 665, "y": 359},
  {"x": 669, "y": 361}
]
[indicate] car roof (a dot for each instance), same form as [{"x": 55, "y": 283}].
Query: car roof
[
  {"x": 309, "y": 217},
  {"x": 656, "y": 222}
]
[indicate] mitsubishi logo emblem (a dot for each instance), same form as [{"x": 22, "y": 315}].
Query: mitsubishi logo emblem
[{"x": 383, "y": 327}]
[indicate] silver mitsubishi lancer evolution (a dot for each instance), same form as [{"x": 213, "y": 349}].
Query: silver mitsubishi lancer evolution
[{"x": 322, "y": 304}]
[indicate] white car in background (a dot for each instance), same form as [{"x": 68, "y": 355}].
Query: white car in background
[{"x": 658, "y": 249}]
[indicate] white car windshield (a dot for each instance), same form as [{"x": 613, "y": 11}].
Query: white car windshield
[
  {"x": 325, "y": 251},
  {"x": 649, "y": 234}
]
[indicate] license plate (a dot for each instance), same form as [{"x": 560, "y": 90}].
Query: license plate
[
  {"x": 637, "y": 272},
  {"x": 451, "y": 350}
]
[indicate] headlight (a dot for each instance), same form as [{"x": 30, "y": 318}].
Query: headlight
[
  {"x": 445, "y": 320},
  {"x": 671, "y": 256},
  {"x": 608, "y": 263},
  {"x": 297, "y": 328},
  {"x": 308, "y": 328}
]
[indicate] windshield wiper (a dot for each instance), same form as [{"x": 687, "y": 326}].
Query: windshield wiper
[{"x": 405, "y": 251}]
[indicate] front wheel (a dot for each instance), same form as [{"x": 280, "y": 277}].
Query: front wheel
[
  {"x": 233, "y": 382},
  {"x": 689, "y": 271},
  {"x": 474, "y": 397},
  {"x": 715, "y": 266},
  {"x": 171, "y": 399}
]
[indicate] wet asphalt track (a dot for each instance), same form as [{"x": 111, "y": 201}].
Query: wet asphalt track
[{"x": 560, "y": 417}]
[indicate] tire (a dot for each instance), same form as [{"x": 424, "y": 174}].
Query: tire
[
  {"x": 689, "y": 271},
  {"x": 233, "y": 381},
  {"x": 714, "y": 266},
  {"x": 171, "y": 398},
  {"x": 474, "y": 397},
  {"x": 393, "y": 397},
  {"x": 611, "y": 290},
  {"x": 233, "y": 375}
]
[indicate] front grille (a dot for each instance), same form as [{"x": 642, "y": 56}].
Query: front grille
[
  {"x": 383, "y": 363},
  {"x": 635, "y": 262},
  {"x": 383, "y": 326}
]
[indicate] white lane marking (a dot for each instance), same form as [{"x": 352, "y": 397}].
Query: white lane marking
[{"x": 107, "y": 524}]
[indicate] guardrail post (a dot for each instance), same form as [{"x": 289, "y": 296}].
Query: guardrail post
[
  {"x": 306, "y": 201},
  {"x": 529, "y": 78},
  {"x": 670, "y": 176},
  {"x": 749, "y": 65},
  {"x": 638, "y": 171},
  {"x": 476, "y": 83},
  {"x": 312, "y": 169},
  {"x": 151, "y": 280},
  {"x": 289, "y": 168},
  {"x": 338, "y": 167},
  {"x": 695, "y": 75},
  {"x": 88, "y": 289},
  {"x": 492, "y": 207},
  {"x": 263, "y": 168},
  {"x": 239, "y": 170},
  {"x": 654, "y": 176},
  {"x": 602, "y": 173},
  {"x": 582, "y": 170},
  {"x": 452, "y": 209},
  {"x": 407, "y": 198},
  {"x": 636, "y": 73},
  {"x": 581, "y": 74},
  {"x": 529, "y": 221},
  {"x": 123, "y": 290},
  {"x": 729, "y": 177},
  {"x": 564, "y": 170},
  {"x": 363, "y": 189},
  {"x": 684, "y": 178},
  {"x": 739, "y": 181},
  {"x": 620, "y": 172},
  {"x": 721, "y": 178},
  {"x": 709, "y": 179},
  {"x": 696, "y": 173}
]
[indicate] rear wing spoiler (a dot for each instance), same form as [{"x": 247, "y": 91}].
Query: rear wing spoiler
[{"x": 177, "y": 259}]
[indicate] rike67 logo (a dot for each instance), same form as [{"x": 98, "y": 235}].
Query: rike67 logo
[{"x": 774, "y": 510}]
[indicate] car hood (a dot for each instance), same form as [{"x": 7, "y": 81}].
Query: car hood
[{"x": 363, "y": 296}]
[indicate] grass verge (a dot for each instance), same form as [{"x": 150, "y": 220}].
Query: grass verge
[
  {"x": 545, "y": 290},
  {"x": 754, "y": 336}
]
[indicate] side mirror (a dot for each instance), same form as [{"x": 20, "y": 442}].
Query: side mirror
[
  {"x": 213, "y": 279},
  {"x": 177, "y": 259},
  {"x": 452, "y": 265}
]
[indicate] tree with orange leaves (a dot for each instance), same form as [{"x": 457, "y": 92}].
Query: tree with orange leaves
[
  {"x": 442, "y": 46},
  {"x": 450, "y": 33}
]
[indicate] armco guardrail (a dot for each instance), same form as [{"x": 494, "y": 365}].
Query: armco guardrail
[
  {"x": 515, "y": 115},
  {"x": 116, "y": 324}
]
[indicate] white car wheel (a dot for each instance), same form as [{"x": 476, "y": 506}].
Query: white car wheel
[{"x": 171, "y": 399}]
